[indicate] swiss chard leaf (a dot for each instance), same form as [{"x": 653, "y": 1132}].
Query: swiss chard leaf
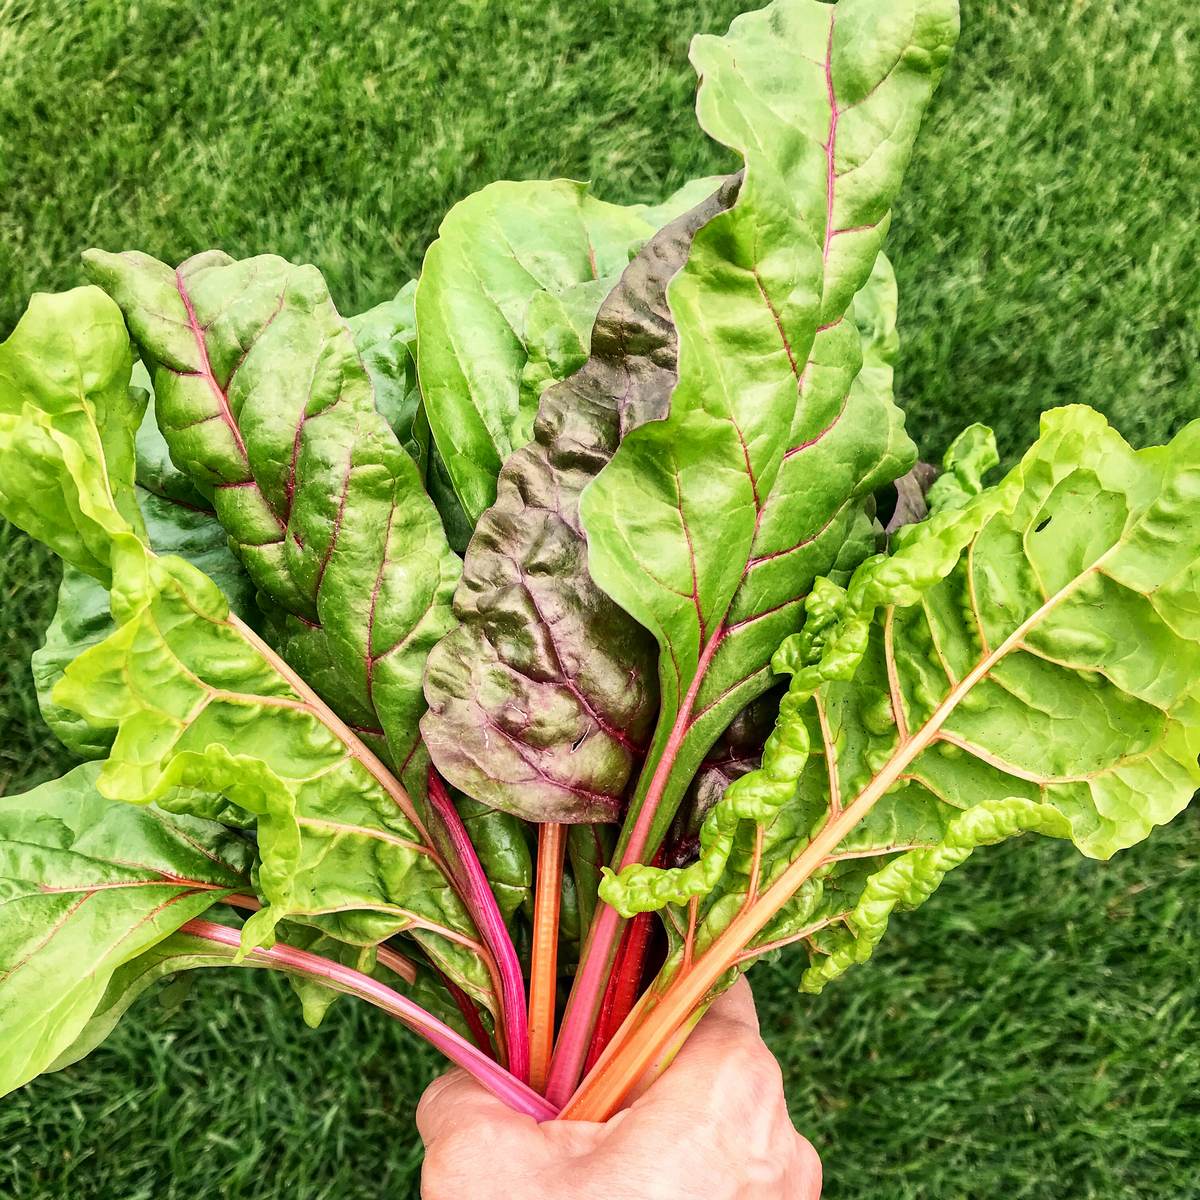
[
  {"x": 710, "y": 526},
  {"x": 386, "y": 339},
  {"x": 178, "y": 519},
  {"x": 975, "y": 684},
  {"x": 204, "y": 717},
  {"x": 206, "y": 720},
  {"x": 81, "y": 619},
  {"x": 263, "y": 398},
  {"x": 65, "y": 412},
  {"x": 508, "y": 285},
  {"x": 542, "y": 700},
  {"x": 87, "y": 885}
]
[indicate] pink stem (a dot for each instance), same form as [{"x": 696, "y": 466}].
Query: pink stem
[
  {"x": 600, "y": 949},
  {"x": 477, "y": 894},
  {"x": 517, "y": 1095}
]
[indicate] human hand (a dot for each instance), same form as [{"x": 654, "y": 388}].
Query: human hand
[{"x": 714, "y": 1126}]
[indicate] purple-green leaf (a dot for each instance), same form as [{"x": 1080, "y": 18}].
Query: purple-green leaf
[{"x": 543, "y": 698}]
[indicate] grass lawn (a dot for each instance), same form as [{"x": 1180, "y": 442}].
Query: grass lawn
[{"x": 1032, "y": 1033}]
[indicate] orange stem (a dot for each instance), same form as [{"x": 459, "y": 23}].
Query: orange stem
[
  {"x": 640, "y": 1044},
  {"x": 543, "y": 967}
]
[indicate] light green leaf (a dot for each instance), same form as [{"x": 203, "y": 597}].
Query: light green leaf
[
  {"x": 177, "y": 520},
  {"x": 1025, "y": 661},
  {"x": 262, "y": 397},
  {"x": 710, "y": 526},
  {"x": 85, "y": 886},
  {"x": 207, "y": 719},
  {"x": 66, "y": 411},
  {"x": 970, "y": 457},
  {"x": 908, "y": 880}
]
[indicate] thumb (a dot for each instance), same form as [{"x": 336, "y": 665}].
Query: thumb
[{"x": 454, "y": 1102}]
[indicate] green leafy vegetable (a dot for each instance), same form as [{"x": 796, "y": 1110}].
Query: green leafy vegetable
[
  {"x": 542, "y": 700},
  {"x": 177, "y": 520},
  {"x": 85, "y": 886},
  {"x": 974, "y": 684},
  {"x": 506, "y": 296},
  {"x": 265, "y": 402},
  {"x": 773, "y": 424},
  {"x": 202, "y": 715},
  {"x": 688, "y": 658}
]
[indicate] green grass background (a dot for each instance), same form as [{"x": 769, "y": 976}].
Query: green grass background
[{"x": 1032, "y": 1032}]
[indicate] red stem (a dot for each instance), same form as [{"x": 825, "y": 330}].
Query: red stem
[
  {"x": 516, "y": 1094},
  {"x": 624, "y": 984},
  {"x": 599, "y": 951},
  {"x": 470, "y": 1014}
]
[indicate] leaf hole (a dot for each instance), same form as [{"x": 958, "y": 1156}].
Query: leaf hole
[{"x": 1041, "y": 525}]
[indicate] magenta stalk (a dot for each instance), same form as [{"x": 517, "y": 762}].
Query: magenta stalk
[
  {"x": 281, "y": 957},
  {"x": 477, "y": 894}
]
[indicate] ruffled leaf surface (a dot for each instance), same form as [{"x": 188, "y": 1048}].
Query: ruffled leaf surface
[
  {"x": 506, "y": 296},
  {"x": 178, "y": 519},
  {"x": 1025, "y": 661},
  {"x": 205, "y": 718},
  {"x": 543, "y": 698},
  {"x": 709, "y": 526}
]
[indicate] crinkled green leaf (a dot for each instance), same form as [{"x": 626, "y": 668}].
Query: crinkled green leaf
[
  {"x": 908, "y": 880},
  {"x": 209, "y": 721},
  {"x": 263, "y": 398},
  {"x": 386, "y": 339},
  {"x": 206, "y": 722},
  {"x": 178, "y": 520},
  {"x": 499, "y": 290},
  {"x": 970, "y": 456},
  {"x": 87, "y": 885},
  {"x": 543, "y": 698},
  {"x": 66, "y": 413},
  {"x": 738, "y": 750},
  {"x": 710, "y": 526},
  {"x": 975, "y": 683}
]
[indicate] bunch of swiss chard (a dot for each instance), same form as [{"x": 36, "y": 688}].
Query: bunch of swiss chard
[{"x": 531, "y": 654}]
